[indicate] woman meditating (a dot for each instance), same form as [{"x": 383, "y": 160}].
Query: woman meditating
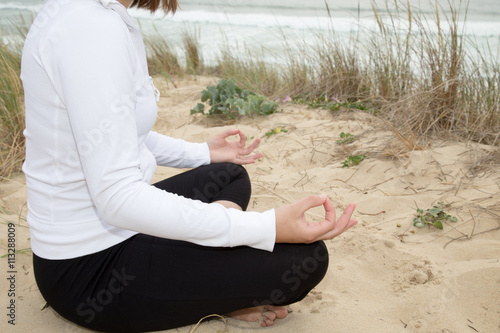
[{"x": 113, "y": 252}]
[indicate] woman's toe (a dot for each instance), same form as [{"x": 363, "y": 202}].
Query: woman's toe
[
  {"x": 281, "y": 312},
  {"x": 264, "y": 322}
]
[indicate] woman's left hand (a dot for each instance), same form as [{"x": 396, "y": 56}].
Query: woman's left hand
[{"x": 222, "y": 150}]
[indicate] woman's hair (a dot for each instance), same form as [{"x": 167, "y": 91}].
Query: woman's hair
[{"x": 153, "y": 5}]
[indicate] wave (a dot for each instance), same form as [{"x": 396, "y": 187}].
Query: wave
[
  {"x": 255, "y": 18},
  {"x": 261, "y": 5},
  {"x": 261, "y": 21}
]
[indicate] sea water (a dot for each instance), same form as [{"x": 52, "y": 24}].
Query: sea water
[{"x": 266, "y": 27}]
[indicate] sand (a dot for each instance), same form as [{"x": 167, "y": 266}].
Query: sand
[{"x": 385, "y": 275}]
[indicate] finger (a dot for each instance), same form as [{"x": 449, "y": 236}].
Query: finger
[
  {"x": 248, "y": 159},
  {"x": 256, "y": 156},
  {"x": 337, "y": 232},
  {"x": 251, "y": 148},
  {"x": 319, "y": 231},
  {"x": 331, "y": 234},
  {"x": 352, "y": 223},
  {"x": 342, "y": 224},
  {"x": 243, "y": 139},
  {"x": 329, "y": 210},
  {"x": 345, "y": 219}
]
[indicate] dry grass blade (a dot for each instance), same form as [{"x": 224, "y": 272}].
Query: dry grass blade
[
  {"x": 417, "y": 71},
  {"x": 11, "y": 112},
  {"x": 410, "y": 142},
  {"x": 162, "y": 60},
  {"x": 194, "y": 61}
]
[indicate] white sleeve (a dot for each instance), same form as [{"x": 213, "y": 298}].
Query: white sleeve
[
  {"x": 177, "y": 153},
  {"x": 92, "y": 61}
]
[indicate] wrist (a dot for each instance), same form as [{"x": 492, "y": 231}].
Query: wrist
[{"x": 279, "y": 221}]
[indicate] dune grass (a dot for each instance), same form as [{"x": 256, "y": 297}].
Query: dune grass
[
  {"x": 11, "y": 112},
  {"x": 419, "y": 73}
]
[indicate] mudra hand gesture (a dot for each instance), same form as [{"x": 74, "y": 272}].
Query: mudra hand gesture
[
  {"x": 291, "y": 223},
  {"x": 222, "y": 150},
  {"x": 293, "y": 227}
]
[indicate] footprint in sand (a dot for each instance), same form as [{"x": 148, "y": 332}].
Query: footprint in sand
[
  {"x": 312, "y": 302},
  {"x": 414, "y": 273}
]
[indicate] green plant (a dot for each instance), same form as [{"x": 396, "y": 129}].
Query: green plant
[
  {"x": 227, "y": 99},
  {"x": 332, "y": 104},
  {"x": 276, "y": 130},
  {"x": 353, "y": 160},
  {"x": 433, "y": 216},
  {"x": 346, "y": 138}
]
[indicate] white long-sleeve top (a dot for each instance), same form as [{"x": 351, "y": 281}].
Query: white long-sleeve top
[{"x": 90, "y": 151}]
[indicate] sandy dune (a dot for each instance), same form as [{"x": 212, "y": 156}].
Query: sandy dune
[{"x": 382, "y": 278}]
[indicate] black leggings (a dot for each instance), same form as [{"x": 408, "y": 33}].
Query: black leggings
[{"x": 148, "y": 283}]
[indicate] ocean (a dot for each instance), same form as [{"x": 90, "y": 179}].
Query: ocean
[{"x": 261, "y": 27}]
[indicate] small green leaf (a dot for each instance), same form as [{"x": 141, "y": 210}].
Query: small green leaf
[
  {"x": 418, "y": 223},
  {"x": 437, "y": 224},
  {"x": 199, "y": 108},
  {"x": 434, "y": 211},
  {"x": 433, "y": 216}
]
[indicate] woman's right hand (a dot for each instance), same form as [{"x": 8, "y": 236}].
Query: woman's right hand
[{"x": 293, "y": 227}]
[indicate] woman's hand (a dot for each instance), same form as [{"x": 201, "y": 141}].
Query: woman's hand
[
  {"x": 222, "y": 150},
  {"x": 292, "y": 226}
]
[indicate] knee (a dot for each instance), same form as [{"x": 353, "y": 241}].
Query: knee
[
  {"x": 316, "y": 264},
  {"x": 237, "y": 174},
  {"x": 229, "y": 172},
  {"x": 306, "y": 272},
  {"x": 241, "y": 182},
  {"x": 312, "y": 269},
  {"x": 221, "y": 175},
  {"x": 235, "y": 170}
]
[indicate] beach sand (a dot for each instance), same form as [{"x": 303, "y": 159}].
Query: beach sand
[{"x": 382, "y": 277}]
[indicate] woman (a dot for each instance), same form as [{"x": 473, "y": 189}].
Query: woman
[{"x": 112, "y": 252}]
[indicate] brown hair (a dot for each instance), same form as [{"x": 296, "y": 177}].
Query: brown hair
[{"x": 153, "y": 5}]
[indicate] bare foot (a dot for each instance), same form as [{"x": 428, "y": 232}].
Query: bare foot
[{"x": 265, "y": 315}]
